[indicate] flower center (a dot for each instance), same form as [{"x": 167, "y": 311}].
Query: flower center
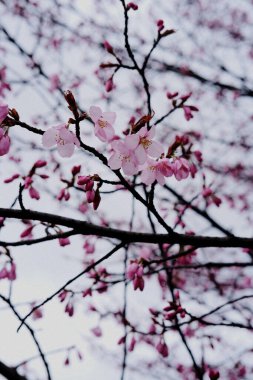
[
  {"x": 145, "y": 142},
  {"x": 59, "y": 140},
  {"x": 102, "y": 123}
]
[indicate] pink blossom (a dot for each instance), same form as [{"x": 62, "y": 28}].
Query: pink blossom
[
  {"x": 63, "y": 138},
  {"x": 181, "y": 168},
  {"x": 156, "y": 171},
  {"x": 142, "y": 144},
  {"x": 103, "y": 123},
  {"x": 123, "y": 157},
  {"x": 4, "y": 142},
  {"x": 3, "y": 112}
]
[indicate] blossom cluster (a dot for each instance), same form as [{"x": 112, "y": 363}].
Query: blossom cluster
[{"x": 137, "y": 153}]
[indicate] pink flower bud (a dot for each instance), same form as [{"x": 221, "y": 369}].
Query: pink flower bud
[
  {"x": 132, "y": 5},
  {"x": 76, "y": 169},
  {"x": 34, "y": 193},
  {"x": 109, "y": 85},
  {"x": 69, "y": 309},
  {"x": 63, "y": 295},
  {"x": 160, "y": 25},
  {"x": 87, "y": 292},
  {"x": 171, "y": 95},
  {"x": 97, "y": 331},
  {"x": 132, "y": 344},
  {"x": 12, "y": 272},
  {"x": 122, "y": 340},
  {"x": 162, "y": 348},
  {"x": 108, "y": 47},
  {"x": 89, "y": 185},
  {"x": 28, "y": 182},
  {"x": 8, "y": 180},
  {"x": 64, "y": 241},
  {"x": 82, "y": 180},
  {"x": 40, "y": 164},
  {"x": 90, "y": 195},
  {"x": 27, "y": 232}
]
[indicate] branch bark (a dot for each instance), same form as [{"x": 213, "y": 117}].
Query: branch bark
[{"x": 85, "y": 228}]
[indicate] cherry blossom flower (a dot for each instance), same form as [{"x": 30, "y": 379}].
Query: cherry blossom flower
[
  {"x": 103, "y": 123},
  {"x": 63, "y": 138},
  {"x": 181, "y": 168},
  {"x": 142, "y": 144},
  {"x": 4, "y": 142},
  {"x": 3, "y": 112},
  {"x": 123, "y": 157},
  {"x": 156, "y": 171}
]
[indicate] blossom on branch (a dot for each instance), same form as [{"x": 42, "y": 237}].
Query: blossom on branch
[
  {"x": 63, "y": 138},
  {"x": 123, "y": 157},
  {"x": 103, "y": 123},
  {"x": 141, "y": 142}
]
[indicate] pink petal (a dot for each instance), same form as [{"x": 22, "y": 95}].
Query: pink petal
[
  {"x": 160, "y": 178},
  {"x": 100, "y": 133},
  {"x": 4, "y": 145},
  {"x": 129, "y": 168},
  {"x": 132, "y": 141},
  {"x": 155, "y": 149},
  {"x": 143, "y": 132},
  {"x": 3, "y": 112},
  {"x": 122, "y": 148},
  {"x": 141, "y": 155},
  {"x": 151, "y": 133},
  {"x": 66, "y": 135},
  {"x": 95, "y": 113},
  {"x": 49, "y": 137},
  {"x": 66, "y": 150},
  {"x": 109, "y": 132},
  {"x": 110, "y": 117},
  {"x": 114, "y": 161},
  {"x": 148, "y": 176}
]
